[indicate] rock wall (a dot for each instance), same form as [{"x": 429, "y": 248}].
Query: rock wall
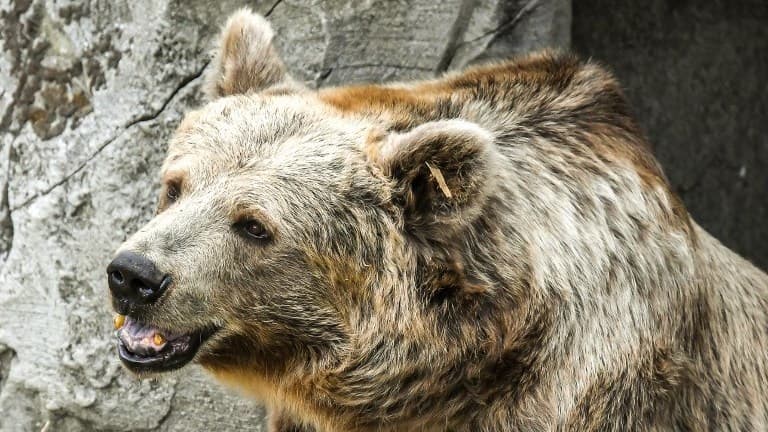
[{"x": 89, "y": 93}]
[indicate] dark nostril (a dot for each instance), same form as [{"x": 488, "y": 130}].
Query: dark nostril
[
  {"x": 117, "y": 277},
  {"x": 135, "y": 279}
]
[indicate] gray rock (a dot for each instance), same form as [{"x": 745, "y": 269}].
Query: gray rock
[{"x": 89, "y": 94}]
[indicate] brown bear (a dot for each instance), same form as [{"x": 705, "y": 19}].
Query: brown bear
[{"x": 493, "y": 250}]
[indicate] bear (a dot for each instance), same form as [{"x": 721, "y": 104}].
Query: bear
[{"x": 495, "y": 249}]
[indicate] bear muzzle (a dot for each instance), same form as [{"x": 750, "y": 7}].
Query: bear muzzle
[{"x": 134, "y": 281}]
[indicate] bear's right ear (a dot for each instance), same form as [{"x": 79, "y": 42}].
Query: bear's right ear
[{"x": 245, "y": 60}]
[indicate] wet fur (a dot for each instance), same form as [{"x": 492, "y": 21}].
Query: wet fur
[{"x": 562, "y": 286}]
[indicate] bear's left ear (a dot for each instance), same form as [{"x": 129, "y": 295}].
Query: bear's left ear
[
  {"x": 245, "y": 60},
  {"x": 441, "y": 172}
]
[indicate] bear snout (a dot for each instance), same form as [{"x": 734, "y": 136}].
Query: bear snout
[{"x": 135, "y": 280}]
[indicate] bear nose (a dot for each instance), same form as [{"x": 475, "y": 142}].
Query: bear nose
[{"x": 135, "y": 280}]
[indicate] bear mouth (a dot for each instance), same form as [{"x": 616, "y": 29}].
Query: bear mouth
[{"x": 145, "y": 348}]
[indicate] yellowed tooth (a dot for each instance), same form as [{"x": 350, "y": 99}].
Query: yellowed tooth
[
  {"x": 158, "y": 339},
  {"x": 119, "y": 321}
]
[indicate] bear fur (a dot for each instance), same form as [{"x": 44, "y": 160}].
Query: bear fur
[{"x": 493, "y": 250}]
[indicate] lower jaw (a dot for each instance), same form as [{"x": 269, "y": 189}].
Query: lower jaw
[{"x": 174, "y": 356}]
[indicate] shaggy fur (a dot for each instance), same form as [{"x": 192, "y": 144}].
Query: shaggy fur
[{"x": 494, "y": 250}]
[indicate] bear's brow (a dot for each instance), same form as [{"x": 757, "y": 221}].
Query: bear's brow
[{"x": 175, "y": 174}]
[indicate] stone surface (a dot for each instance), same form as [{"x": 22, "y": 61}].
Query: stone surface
[
  {"x": 695, "y": 73},
  {"x": 89, "y": 94}
]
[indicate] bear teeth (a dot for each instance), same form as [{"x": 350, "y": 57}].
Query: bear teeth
[
  {"x": 158, "y": 339},
  {"x": 119, "y": 321}
]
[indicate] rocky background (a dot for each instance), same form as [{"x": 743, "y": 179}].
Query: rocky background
[{"x": 90, "y": 91}]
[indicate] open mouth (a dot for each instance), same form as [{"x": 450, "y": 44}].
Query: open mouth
[{"x": 146, "y": 348}]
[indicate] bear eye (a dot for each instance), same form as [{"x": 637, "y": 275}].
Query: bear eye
[
  {"x": 253, "y": 229},
  {"x": 172, "y": 192}
]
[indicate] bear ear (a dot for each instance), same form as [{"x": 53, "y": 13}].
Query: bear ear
[
  {"x": 245, "y": 60},
  {"x": 441, "y": 173}
]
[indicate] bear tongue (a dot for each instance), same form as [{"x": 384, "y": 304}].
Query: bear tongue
[{"x": 142, "y": 339}]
